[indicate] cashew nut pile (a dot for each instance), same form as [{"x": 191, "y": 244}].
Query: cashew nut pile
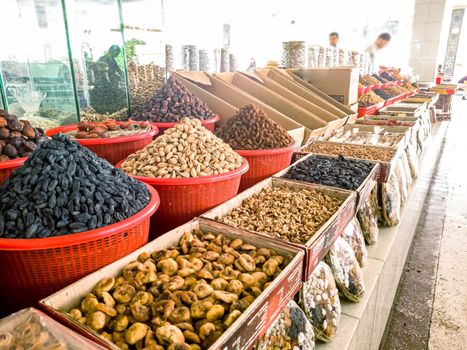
[
  {"x": 186, "y": 150},
  {"x": 180, "y": 298}
]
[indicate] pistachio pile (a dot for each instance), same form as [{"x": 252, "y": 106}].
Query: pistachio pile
[
  {"x": 251, "y": 129},
  {"x": 281, "y": 212},
  {"x": 185, "y": 150},
  {"x": 346, "y": 150},
  {"x": 180, "y": 298}
]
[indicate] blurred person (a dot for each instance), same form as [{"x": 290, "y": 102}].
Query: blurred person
[
  {"x": 334, "y": 39},
  {"x": 380, "y": 43},
  {"x": 109, "y": 58}
]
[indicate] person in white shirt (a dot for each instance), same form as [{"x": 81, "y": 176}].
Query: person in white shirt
[
  {"x": 334, "y": 39},
  {"x": 381, "y": 42}
]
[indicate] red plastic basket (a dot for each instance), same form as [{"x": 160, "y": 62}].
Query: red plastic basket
[
  {"x": 209, "y": 124},
  {"x": 183, "y": 199},
  {"x": 32, "y": 269},
  {"x": 112, "y": 148},
  {"x": 265, "y": 163},
  {"x": 8, "y": 166}
]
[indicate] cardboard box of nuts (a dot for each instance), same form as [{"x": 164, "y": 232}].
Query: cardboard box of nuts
[
  {"x": 244, "y": 331},
  {"x": 363, "y": 191},
  {"x": 318, "y": 245}
]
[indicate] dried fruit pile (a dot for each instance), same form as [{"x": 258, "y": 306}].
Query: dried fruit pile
[
  {"x": 368, "y": 80},
  {"x": 144, "y": 81},
  {"x": 281, "y": 212},
  {"x": 65, "y": 188},
  {"x": 337, "y": 172},
  {"x": 90, "y": 115},
  {"x": 251, "y": 129},
  {"x": 182, "y": 296},
  {"x": 346, "y": 150},
  {"x": 18, "y": 138},
  {"x": 186, "y": 150},
  {"x": 108, "y": 128},
  {"x": 172, "y": 103},
  {"x": 369, "y": 99},
  {"x": 382, "y": 94},
  {"x": 395, "y": 90}
]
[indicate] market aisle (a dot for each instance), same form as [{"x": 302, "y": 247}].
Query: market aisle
[{"x": 431, "y": 306}]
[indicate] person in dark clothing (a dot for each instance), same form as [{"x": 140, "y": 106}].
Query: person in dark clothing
[{"x": 114, "y": 71}]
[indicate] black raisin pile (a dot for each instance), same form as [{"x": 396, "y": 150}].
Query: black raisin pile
[
  {"x": 336, "y": 172},
  {"x": 65, "y": 188}
]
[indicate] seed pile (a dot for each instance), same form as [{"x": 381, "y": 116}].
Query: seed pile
[
  {"x": 172, "y": 103},
  {"x": 369, "y": 99},
  {"x": 182, "y": 296},
  {"x": 319, "y": 299},
  {"x": 18, "y": 138},
  {"x": 337, "y": 172},
  {"x": 90, "y": 115},
  {"x": 251, "y": 129},
  {"x": 281, "y": 212},
  {"x": 65, "y": 188},
  {"x": 368, "y": 80},
  {"x": 291, "y": 330},
  {"x": 356, "y": 151},
  {"x": 186, "y": 150},
  {"x": 395, "y": 90},
  {"x": 108, "y": 128}
]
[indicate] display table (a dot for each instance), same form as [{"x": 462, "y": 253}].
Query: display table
[{"x": 362, "y": 324}]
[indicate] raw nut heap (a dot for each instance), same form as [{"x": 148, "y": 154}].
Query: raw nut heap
[
  {"x": 144, "y": 81},
  {"x": 18, "y": 138},
  {"x": 64, "y": 188},
  {"x": 108, "y": 128},
  {"x": 331, "y": 171},
  {"x": 395, "y": 90},
  {"x": 186, "y": 150},
  {"x": 90, "y": 115},
  {"x": 355, "y": 151},
  {"x": 281, "y": 212},
  {"x": 291, "y": 330},
  {"x": 369, "y": 99},
  {"x": 368, "y": 80},
  {"x": 319, "y": 299},
  {"x": 251, "y": 129},
  {"x": 182, "y": 296},
  {"x": 172, "y": 103}
]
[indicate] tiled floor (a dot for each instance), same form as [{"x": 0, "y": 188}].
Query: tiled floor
[{"x": 430, "y": 311}]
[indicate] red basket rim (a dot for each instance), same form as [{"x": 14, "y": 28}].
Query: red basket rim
[
  {"x": 242, "y": 169},
  {"x": 272, "y": 151},
  {"x": 213, "y": 120},
  {"x": 12, "y": 163},
  {"x": 105, "y": 141},
  {"x": 78, "y": 238}
]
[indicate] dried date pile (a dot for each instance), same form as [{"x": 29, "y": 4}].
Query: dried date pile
[
  {"x": 108, "y": 128},
  {"x": 331, "y": 171},
  {"x": 65, "y": 188},
  {"x": 346, "y": 150},
  {"x": 281, "y": 212},
  {"x": 185, "y": 150},
  {"x": 251, "y": 129},
  {"x": 183, "y": 297},
  {"x": 172, "y": 103},
  {"x": 18, "y": 138}
]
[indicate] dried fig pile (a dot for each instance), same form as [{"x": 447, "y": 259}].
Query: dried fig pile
[
  {"x": 281, "y": 212},
  {"x": 180, "y": 298},
  {"x": 18, "y": 138},
  {"x": 251, "y": 129},
  {"x": 64, "y": 188},
  {"x": 172, "y": 103},
  {"x": 185, "y": 150}
]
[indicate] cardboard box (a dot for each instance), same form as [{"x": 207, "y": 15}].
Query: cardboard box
[
  {"x": 238, "y": 98},
  {"x": 340, "y": 83},
  {"x": 243, "y": 333},
  {"x": 362, "y": 192},
  {"x": 276, "y": 101},
  {"x": 318, "y": 245}
]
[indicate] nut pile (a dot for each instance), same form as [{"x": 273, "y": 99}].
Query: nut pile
[
  {"x": 251, "y": 129},
  {"x": 186, "y": 150},
  {"x": 281, "y": 212},
  {"x": 172, "y": 103},
  {"x": 144, "y": 81},
  {"x": 64, "y": 188},
  {"x": 293, "y": 54},
  {"x": 108, "y": 128},
  {"x": 18, "y": 138},
  {"x": 180, "y": 298},
  {"x": 319, "y": 299},
  {"x": 291, "y": 330},
  {"x": 330, "y": 171},
  {"x": 395, "y": 90},
  {"x": 368, "y": 80},
  {"x": 90, "y": 115},
  {"x": 369, "y": 99},
  {"x": 356, "y": 151}
]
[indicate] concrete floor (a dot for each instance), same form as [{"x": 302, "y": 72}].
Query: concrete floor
[{"x": 430, "y": 310}]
